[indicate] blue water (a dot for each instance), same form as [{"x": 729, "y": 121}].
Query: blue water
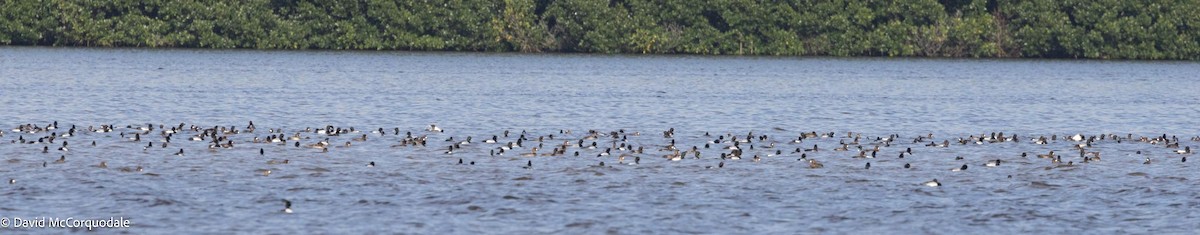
[{"x": 423, "y": 190}]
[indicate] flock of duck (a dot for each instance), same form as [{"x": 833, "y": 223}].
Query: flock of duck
[{"x": 625, "y": 147}]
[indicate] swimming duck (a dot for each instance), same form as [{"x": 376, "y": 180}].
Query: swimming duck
[
  {"x": 814, "y": 164},
  {"x": 1185, "y": 150},
  {"x": 844, "y": 147},
  {"x": 674, "y": 157},
  {"x": 993, "y": 163},
  {"x": 532, "y": 153},
  {"x": 287, "y": 206},
  {"x": 932, "y": 183},
  {"x": 735, "y": 157},
  {"x": 962, "y": 168}
]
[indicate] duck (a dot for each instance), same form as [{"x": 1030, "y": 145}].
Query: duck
[
  {"x": 287, "y": 206},
  {"x": 528, "y": 165},
  {"x": 932, "y": 183},
  {"x": 532, "y": 153},
  {"x": 845, "y": 147},
  {"x": 675, "y": 157},
  {"x": 1185, "y": 150},
  {"x": 962, "y": 168},
  {"x": 1049, "y": 155},
  {"x": 128, "y": 169},
  {"x": 372, "y": 164},
  {"x": 320, "y": 144},
  {"x": 814, "y": 164},
  {"x": 992, "y": 163}
]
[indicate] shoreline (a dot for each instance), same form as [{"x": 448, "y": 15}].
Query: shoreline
[{"x": 588, "y": 54}]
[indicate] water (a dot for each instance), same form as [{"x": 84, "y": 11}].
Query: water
[{"x": 423, "y": 190}]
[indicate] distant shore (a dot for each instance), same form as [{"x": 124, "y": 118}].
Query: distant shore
[{"x": 973, "y": 29}]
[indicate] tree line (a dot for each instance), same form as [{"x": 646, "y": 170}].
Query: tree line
[{"x": 1102, "y": 29}]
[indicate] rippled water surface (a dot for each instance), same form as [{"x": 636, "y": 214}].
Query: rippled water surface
[{"x": 423, "y": 189}]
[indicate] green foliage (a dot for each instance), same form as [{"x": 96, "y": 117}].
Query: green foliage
[{"x": 1103, "y": 29}]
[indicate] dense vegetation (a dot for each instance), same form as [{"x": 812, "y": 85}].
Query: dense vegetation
[{"x": 1127, "y": 29}]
